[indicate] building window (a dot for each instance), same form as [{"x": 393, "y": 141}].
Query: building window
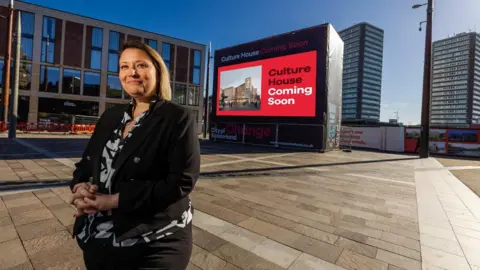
[
  {"x": 197, "y": 60},
  {"x": 71, "y": 82},
  {"x": 25, "y": 76},
  {"x": 193, "y": 95},
  {"x": 91, "y": 84},
  {"x": 166, "y": 54},
  {"x": 181, "y": 69},
  {"x": 113, "y": 51},
  {"x": 179, "y": 95},
  {"x": 1, "y": 73},
  {"x": 96, "y": 48},
  {"x": 48, "y": 40},
  {"x": 114, "y": 87},
  {"x": 152, "y": 43},
  {"x": 49, "y": 79},
  {"x": 28, "y": 25}
]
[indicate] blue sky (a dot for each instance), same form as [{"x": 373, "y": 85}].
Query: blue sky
[{"x": 227, "y": 23}]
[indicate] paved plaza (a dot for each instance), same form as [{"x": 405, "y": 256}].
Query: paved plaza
[{"x": 260, "y": 208}]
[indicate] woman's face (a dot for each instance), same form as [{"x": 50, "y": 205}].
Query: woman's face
[{"x": 137, "y": 73}]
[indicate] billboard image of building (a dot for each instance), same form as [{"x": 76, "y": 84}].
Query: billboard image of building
[
  {"x": 281, "y": 91},
  {"x": 240, "y": 89}
]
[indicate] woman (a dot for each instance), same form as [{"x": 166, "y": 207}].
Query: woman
[{"x": 143, "y": 161}]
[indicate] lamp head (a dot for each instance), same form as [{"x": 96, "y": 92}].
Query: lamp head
[{"x": 417, "y": 6}]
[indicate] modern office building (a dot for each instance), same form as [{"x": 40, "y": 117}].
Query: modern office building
[
  {"x": 362, "y": 72},
  {"x": 69, "y": 64},
  {"x": 455, "y": 96}
]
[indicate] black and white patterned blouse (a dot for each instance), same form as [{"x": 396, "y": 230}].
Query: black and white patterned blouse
[{"x": 99, "y": 226}]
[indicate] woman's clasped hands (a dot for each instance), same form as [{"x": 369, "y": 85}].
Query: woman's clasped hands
[{"x": 88, "y": 201}]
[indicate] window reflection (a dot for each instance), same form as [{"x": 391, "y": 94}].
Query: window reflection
[
  {"x": 114, "y": 88},
  {"x": 71, "y": 82},
  {"x": 27, "y": 28},
  {"x": 1, "y": 72},
  {"x": 113, "y": 62},
  {"x": 152, "y": 43},
  {"x": 96, "y": 48},
  {"x": 48, "y": 40},
  {"x": 113, "y": 47},
  {"x": 49, "y": 79},
  {"x": 179, "y": 95},
  {"x": 166, "y": 48},
  {"x": 91, "y": 84},
  {"x": 193, "y": 95},
  {"x": 25, "y": 76},
  {"x": 197, "y": 59}
]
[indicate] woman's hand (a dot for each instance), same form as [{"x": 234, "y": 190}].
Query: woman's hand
[
  {"x": 102, "y": 202},
  {"x": 80, "y": 192}
]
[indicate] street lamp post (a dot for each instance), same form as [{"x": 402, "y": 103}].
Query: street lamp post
[
  {"x": 7, "y": 64},
  {"x": 12, "y": 129},
  {"x": 205, "y": 114},
  {"x": 427, "y": 81}
]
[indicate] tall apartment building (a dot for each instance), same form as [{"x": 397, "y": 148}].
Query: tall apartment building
[
  {"x": 455, "y": 95},
  {"x": 69, "y": 64},
  {"x": 362, "y": 72}
]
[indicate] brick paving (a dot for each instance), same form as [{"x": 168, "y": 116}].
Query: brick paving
[{"x": 264, "y": 209}]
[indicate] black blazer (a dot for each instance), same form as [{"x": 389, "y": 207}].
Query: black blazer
[{"x": 155, "y": 171}]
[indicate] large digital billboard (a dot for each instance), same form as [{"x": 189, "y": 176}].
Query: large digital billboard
[
  {"x": 283, "y": 90},
  {"x": 283, "y": 86}
]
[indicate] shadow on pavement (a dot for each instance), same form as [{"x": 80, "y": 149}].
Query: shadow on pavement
[{"x": 272, "y": 170}]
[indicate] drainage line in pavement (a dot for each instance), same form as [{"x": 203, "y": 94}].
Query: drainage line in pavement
[{"x": 27, "y": 186}]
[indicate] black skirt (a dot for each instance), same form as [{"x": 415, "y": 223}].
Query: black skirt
[{"x": 171, "y": 252}]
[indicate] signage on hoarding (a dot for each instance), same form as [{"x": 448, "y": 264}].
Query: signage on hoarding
[
  {"x": 281, "y": 86},
  {"x": 363, "y": 137}
]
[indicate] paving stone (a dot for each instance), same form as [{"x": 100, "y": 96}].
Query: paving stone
[
  {"x": 220, "y": 212},
  {"x": 206, "y": 240},
  {"x": 5, "y": 221},
  {"x": 242, "y": 237},
  {"x": 271, "y": 231},
  {"x": 12, "y": 254},
  {"x": 42, "y": 243},
  {"x": 317, "y": 248},
  {"x": 394, "y": 248},
  {"x": 356, "y": 247},
  {"x": 243, "y": 258},
  {"x": 64, "y": 213},
  {"x": 39, "y": 229},
  {"x": 32, "y": 216},
  {"x": 23, "y": 266},
  {"x": 206, "y": 260},
  {"x": 7, "y": 233},
  {"x": 15, "y": 211},
  {"x": 351, "y": 260},
  {"x": 57, "y": 256},
  {"x": 401, "y": 240},
  {"x": 308, "y": 262},
  {"x": 22, "y": 201},
  {"x": 276, "y": 253},
  {"x": 192, "y": 267},
  {"x": 398, "y": 260}
]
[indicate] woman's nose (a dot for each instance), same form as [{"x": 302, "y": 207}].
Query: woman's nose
[{"x": 133, "y": 72}]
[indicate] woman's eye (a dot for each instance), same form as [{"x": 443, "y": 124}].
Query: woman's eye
[
  {"x": 123, "y": 67},
  {"x": 142, "y": 65}
]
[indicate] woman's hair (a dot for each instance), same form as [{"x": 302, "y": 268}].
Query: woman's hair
[{"x": 163, "y": 89}]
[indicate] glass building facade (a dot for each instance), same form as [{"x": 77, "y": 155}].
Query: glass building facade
[
  {"x": 455, "y": 95},
  {"x": 74, "y": 68},
  {"x": 362, "y": 72}
]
